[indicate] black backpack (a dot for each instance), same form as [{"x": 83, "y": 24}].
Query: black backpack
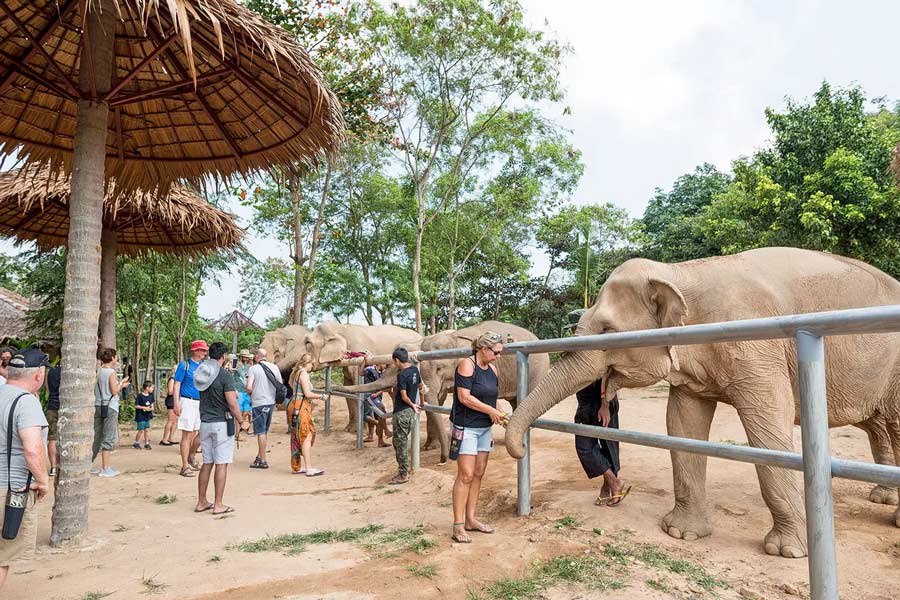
[{"x": 281, "y": 391}]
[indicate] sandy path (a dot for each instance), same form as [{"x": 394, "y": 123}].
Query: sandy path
[{"x": 132, "y": 537}]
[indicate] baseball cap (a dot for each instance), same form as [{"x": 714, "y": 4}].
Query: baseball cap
[
  {"x": 29, "y": 359},
  {"x": 199, "y": 345}
]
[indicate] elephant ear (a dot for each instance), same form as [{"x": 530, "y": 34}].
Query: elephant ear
[{"x": 671, "y": 309}]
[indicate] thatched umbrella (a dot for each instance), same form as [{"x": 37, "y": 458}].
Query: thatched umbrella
[
  {"x": 34, "y": 206},
  {"x": 235, "y": 322},
  {"x": 146, "y": 92}
]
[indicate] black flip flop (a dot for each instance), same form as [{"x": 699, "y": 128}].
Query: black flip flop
[{"x": 205, "y": 508}]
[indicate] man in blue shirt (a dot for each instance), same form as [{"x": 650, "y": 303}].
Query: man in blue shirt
[{"x": 187, "y": 407}]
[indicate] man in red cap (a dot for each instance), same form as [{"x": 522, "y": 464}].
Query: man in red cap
[{"x": 187, "y": 406}]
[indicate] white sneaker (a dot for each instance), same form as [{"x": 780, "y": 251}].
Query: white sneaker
[
  {"x": 95, "y": 470},
  {"x": 110, "y": 472}
]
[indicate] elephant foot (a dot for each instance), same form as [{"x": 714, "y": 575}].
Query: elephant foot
[
  {"x": 883, "y": 495},
  {"x": 350, "y": 428},
  {"x": 431, "y": 444},
  {"x": 686, "y": 525},
  {"x": 788, "y": 544}
]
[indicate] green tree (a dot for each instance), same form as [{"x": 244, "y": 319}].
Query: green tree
[{"x": 452, "y": 67}]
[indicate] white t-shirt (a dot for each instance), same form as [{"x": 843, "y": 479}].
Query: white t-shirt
[{"x": 263, "y": 391}]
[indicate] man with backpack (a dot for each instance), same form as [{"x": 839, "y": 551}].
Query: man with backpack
[
  {"x": 187, "y": 407},
  {"x": 265, "y": 386}
]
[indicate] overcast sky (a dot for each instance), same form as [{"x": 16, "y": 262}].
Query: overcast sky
[{"x": 656, "y": 88}]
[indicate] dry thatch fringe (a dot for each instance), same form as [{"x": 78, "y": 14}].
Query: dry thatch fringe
[
  {"x": 246, "y": 35},
  {"x": 200, "y": 226}
]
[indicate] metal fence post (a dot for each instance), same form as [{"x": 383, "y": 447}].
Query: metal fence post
[
  {"x": 360, "y": 423},
  {"x": 415, "y": 443},
  {"x": 523, "y": 465},
  {"x": 816, "y": 467},
  {"x": 327, "y": 398}
]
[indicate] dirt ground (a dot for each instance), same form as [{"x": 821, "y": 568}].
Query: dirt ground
[{"x": 138, "y": 546}]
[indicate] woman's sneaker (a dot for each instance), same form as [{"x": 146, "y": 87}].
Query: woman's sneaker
[
  {"x": 148, "y": 447},
  {"x": 109, "y": 472},
  {"x": 95, "y": 470},
  {"x": 136, "y": 446}
]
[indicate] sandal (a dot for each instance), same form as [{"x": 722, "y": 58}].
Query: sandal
[
  {"x": 315, "y": 472},
  {"x": 460, "y": 537},
  {"x": 205, "y": 508},
  {"x": 398, "y": 479},
  {"x": 482, "y": 528},
  {"x": 227, "y": 510},
  {"x": 616, "y": 499},
  {"x": 186, "y": 473}
]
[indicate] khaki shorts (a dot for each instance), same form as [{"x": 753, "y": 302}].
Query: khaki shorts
[
  {"x": 52, "y": 420},
  {"x": 21, "y": 548}
]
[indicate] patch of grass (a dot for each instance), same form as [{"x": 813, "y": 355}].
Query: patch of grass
[
  {"x": 401, "y": 540},
  {"x": 598, "y": 531},
  {"x": 294, "y": 543},
  {"x": 659, "y": 585},
  {"x": 391, "y": 491},
  {"x": 587, "y": 570},
  {"x": 567, "y": 522},
  {"x": 96, "y": 595},
  {"x": 166, "y": 499},
  {"x": 151, "y": 585},
  {"x": 214, "y": 558},
  {"x": 657, "y": 558},
  {"x": 896, "y": 544},
  {"x": 426, "y": 571}
]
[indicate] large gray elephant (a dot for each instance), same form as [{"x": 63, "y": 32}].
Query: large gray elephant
[
  {"x": 284, "y": 346},
  {"x": 758, "y": 378},
  {"x": 329, "y": 342},
  {"x": 438, "y": 375}
]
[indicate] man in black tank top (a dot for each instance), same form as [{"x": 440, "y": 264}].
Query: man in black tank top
[{"x": 406, "y": 407}]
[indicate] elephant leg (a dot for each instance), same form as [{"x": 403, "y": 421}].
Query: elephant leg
[
  {"x": 432, "y": 439},
  {"x": 893, "y": 427},
  {"x": 883, "y": 454},
  {"x": 351, "y": 410},
  {"x": 690, "y": 417},
  {"x": 767, "y": 413}
]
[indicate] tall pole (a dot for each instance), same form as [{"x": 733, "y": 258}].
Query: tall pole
[
  {"x": 823, "y": 583},
  {"x": 523, "y": 465}
]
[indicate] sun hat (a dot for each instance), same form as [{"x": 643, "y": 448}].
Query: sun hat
[
  {"x": 244, "y": 353},
  {"x": 199, "y": 345}
]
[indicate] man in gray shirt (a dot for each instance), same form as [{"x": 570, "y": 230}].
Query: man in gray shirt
[
  {"x": 28, "y": 451},
  {"x": 262, "y": 397}
]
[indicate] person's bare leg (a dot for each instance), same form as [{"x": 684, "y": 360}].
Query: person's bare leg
[
  {"x": 4, "y": 571},
  {"x": 465, "y": 470},
  {"x": 261, "y": 440},
  {"x": 203, "y": 485},
  {"x": 104, "y": 459},
  {"x": 185, "y": 447},
  {"x": 306, "y": 453},
  {"x": 51, "y": 453},
  {"x": 481, "y": 462},
  {"x": 219, "y": 482},
  {"x": 195, "y": 445}
]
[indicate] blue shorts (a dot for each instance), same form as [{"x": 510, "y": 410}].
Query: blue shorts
[
  {"x": 244, "y": 402},
  {"x": 477, "y": 439},
  {"x": 262, "y": 419},
  {"x": 141, "y": 425}
]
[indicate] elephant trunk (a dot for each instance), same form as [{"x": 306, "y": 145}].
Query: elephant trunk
[
  {"x": 385, "y": 382},
  {"x": 572, "y": 373}
]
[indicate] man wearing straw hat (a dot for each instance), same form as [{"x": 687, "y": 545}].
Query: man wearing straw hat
[
  {"x": 240, "y": 382},
  {"x": 187, "y": 407}
]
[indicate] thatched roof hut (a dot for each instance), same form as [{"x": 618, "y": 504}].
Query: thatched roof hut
[
  {"x": 241, "y": 95},
  {"x": 34, "y": 206},
  {"x": 13, "y": 315}
]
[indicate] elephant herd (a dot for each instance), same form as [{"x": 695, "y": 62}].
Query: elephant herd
[{"x": 757, "y": 378}]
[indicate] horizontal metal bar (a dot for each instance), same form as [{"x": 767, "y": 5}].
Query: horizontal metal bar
[
  {"x": 335, "y": 393},
  {"x": 844, "y": 469},
  {"x": 876, "y": 319}
]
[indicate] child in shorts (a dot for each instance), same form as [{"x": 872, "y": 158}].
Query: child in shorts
[{"x": 143, "y": 415}]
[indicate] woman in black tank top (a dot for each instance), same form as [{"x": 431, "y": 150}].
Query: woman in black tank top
[
  {"x": 474, "y": 410},
  {"x": 172, "y": 418}
]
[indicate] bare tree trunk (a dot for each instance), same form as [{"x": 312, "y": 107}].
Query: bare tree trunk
[
  {"x": 451, "y": 308},
  {"x": 314, "y": 244},
  {"x": 181, "y": 311},
  {"x": 108, "y": 251},
  {"x": 81, "y": 303},
  {"x": 417, "y": 264},
  {"x": 367, "y": 279},
  {"x": 299, "y": 300}
]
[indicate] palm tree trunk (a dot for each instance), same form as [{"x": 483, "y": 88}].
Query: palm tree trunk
[
  {"x": 81, "y": 302},
  {"x": 108, "y": 251},
  {"x": 296, "y": 197}
]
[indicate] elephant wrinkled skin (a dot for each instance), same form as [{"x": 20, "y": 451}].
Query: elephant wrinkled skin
[
  {"x": 758, "y": 378},
  {"x": 438, "y": 375}
]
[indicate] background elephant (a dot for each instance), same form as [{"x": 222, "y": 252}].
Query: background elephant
[
  {"x": 328, "y": 342},
  {"x": 438, "y": 375},
  {"x": 284, "y": 346},
  {"x": 758, "y": 378}
]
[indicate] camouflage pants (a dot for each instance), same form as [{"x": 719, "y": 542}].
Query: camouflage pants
[{"x": 403, "y": 422}]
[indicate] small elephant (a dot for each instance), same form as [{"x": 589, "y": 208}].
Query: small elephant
[
  {"x": 758, "y": 378},
  {"x": 438, "y": 375}
]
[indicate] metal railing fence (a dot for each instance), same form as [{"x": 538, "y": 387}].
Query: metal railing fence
[{"x": 815, "y": 461}]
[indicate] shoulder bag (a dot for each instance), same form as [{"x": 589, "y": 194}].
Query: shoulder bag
[
  {"x": 16, "y": 501},
  {"x": 280, "y": 388}
]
